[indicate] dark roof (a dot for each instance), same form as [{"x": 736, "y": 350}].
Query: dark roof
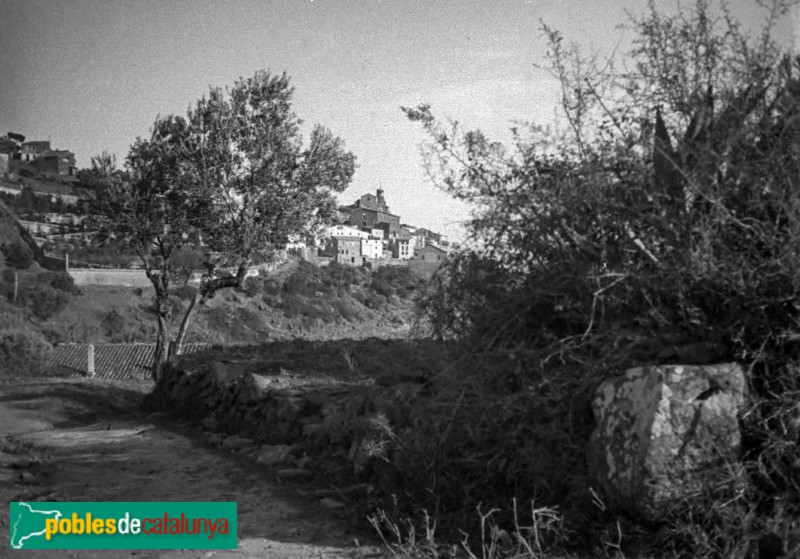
[
  {"x": 433, "y": 247},
  {"x": 363, "y": 209},
  {"x": 57, "y": 153},
  {"x": 111, "y": 361}
]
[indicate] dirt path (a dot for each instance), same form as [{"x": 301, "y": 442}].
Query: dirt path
[{"x": 79, "y": 440}]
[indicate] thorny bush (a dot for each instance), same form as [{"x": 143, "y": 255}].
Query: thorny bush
[{"x": 607, "y": 244}]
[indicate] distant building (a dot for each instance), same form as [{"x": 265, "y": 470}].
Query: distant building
[
  {"x": 431, "y": 253},
  {"x": 345, "y": 231},
  {"x": 376, "y": 232},
  {"x": 372, "y": 248},
  {"x": 366, "y": 218},
  {"x": 32, "y": 150},
  {"x": 427, "y": 237},
  {"x": 370, "y": 202},
  {"x": 56, "y": 162},
  {"x": 371, "y": 212},
  {"x": 345, "y": 250},
  {"x": 402, "y": 249}
]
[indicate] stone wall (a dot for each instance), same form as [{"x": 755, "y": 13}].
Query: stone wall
[{"x": 307, "y": 426}]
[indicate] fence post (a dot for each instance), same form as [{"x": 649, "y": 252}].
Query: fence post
[
  {"x": 90, "y": 365},
  {"x": 66, "y": 262}
]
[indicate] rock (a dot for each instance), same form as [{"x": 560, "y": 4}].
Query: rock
[
  {"x": 662, "y": 432},
  {"x": 254, "y": 388},
  {"x": 210, "y": 424},
  {"x": 272, "y": 455},
  {"x": 235, "y": 442}
]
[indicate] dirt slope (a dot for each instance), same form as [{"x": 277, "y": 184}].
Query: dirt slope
[{"x": 78, "y": 440}]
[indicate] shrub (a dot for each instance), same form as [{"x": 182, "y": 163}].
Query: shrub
[
  {"x": 22, "y": 352},
  {"x": 375, "y": 301},
  {"x": 346, "y": 309},
  {"x": 594, "y": 246},
  {"x": 17, "y": 255},
  {"x": 297, "y": 306},
  {"x": 43, "y": 300},
  {"x": 113, "y": 323},
  {"x": 61, "y": 281},
  {"x": 395, "y": 280}
]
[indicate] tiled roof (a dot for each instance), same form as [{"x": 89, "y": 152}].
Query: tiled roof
[{"x": 111, "y": 361}]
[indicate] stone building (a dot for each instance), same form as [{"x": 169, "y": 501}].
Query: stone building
[
  {"x": 372, "y": 248},
  {"x": 431, "y": 253},
  {"x": 402, "y": 249},
  {"x": 371, "y": 212},
  {"x": 56, "y": 162},
  {"x": 345, "y": 250},
  {"x": 32, "y": 150}
]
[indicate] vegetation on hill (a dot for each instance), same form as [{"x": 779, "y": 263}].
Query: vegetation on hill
[
  {"x": 297, "y": 300},
  {"x": 338, "y": 292}
]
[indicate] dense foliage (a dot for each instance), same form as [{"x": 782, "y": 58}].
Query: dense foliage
[
  {"x": 610, "y": 245},
  {"x": 230, "y": 180}
]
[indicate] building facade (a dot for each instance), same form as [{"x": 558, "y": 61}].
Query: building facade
[
  {"x": 431, "y": 253},
  {"x": 59, "y": 162},
  {"x": 32, "y": 150},
  {"x": 345, "y": 231},
  {"x": 402, "y": 249},
  {"x": 346, "y": 250},
  {"x": 372, "y": 248}
]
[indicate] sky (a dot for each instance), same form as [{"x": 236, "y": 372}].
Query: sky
[{"x": 93, "y": 75}]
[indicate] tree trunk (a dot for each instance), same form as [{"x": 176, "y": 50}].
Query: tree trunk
[
  {"x": 161, "y": 353},
  {"x": 187, "y": 319},
  {"x": 16, "y": 284}
]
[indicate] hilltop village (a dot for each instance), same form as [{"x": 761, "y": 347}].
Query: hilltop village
[{"x": 46, "y": 190}]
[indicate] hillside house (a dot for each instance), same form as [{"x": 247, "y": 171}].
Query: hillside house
[
  {"x": 366, "y": 218},
  {"x": 32, "y": 150},
  {"x": 431, "y": 253},
  {"x": 345, "y": 231},
  {"x": 55, "y": 162},
  {"x": 39, "y": 157},
  {"x": 345, "y": 250},
  {"x": 424, "y": 237},
  {"x": 372, "y": 248},
  {"x": 402, "y": 249}
]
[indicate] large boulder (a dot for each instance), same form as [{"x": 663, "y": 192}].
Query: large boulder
[{"x": 663, "y": 433}]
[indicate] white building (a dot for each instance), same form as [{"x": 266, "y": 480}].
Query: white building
[
  {"x": 372, "y": 248},
  {"x": 345, "y": 231},
  {"x": 377, "y": 233}
]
